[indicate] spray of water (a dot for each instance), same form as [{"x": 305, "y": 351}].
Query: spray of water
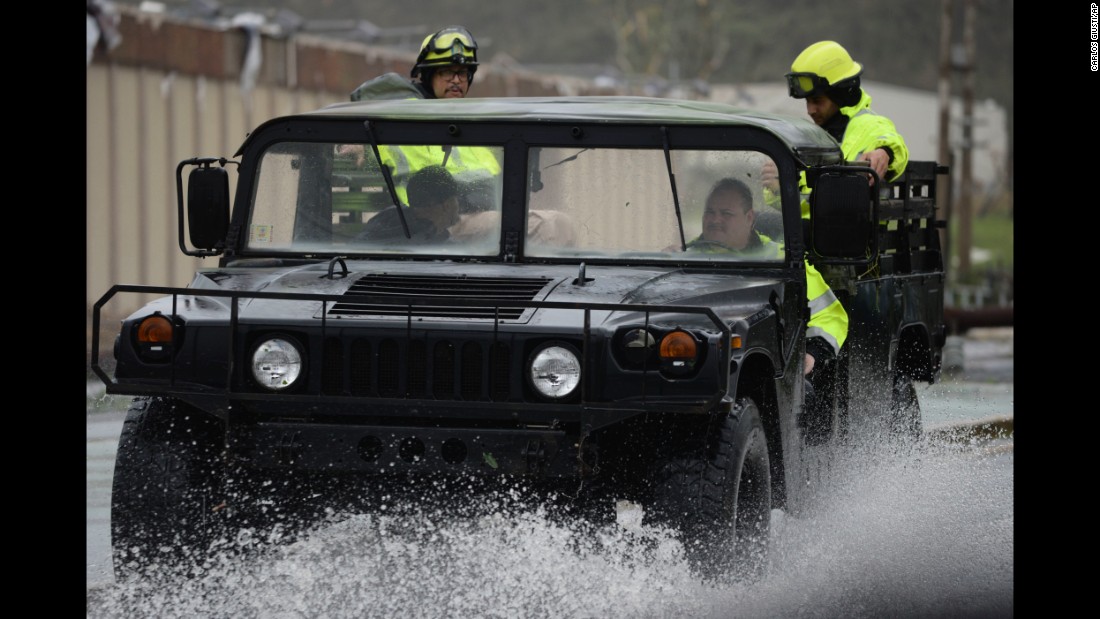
[{"x": 887, "y": 529}]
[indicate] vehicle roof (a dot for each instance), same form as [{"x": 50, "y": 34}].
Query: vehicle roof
[{"x": 799, "y": 134}]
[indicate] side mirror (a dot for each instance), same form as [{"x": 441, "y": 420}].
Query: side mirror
[
  {"x": 842, "y": 218},
  {"x": 207, "y": 206}
]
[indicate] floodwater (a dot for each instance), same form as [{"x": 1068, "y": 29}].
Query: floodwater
[{"x": 925, "y": 531}]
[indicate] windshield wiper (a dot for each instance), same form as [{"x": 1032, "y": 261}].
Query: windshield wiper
[
  {"x": 570, "y": 158},
  {"x": 675, "y": 194},
  {"x": 388, "y": 178}
]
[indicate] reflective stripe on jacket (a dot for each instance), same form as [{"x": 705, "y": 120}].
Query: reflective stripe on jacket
[{"x": 828, "y": 319}]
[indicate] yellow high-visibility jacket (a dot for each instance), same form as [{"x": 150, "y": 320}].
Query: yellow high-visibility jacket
[
  {"x": 828, "y": 318},
  {"x": 465, "y": 163},
  {"x": 865, "y": 132}
]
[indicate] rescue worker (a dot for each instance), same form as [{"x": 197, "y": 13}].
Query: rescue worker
[
  {"x": 444, "y": 69},
  {"x": 433, "y": 208},
  {"x": 729, "y": 227},
  {"x": 825, "y": 75}
]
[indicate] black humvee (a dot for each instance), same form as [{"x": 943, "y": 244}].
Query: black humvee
[{"x": 562, "y": 331}]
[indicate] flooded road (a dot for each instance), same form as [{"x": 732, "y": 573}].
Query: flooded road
[{"x": 919, "y": 532}]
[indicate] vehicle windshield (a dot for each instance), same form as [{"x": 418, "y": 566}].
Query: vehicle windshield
[
  {"x": 620, "y": 203},
  {"x": 320, "y": 198},
  {"x": 605, "y": 203}
]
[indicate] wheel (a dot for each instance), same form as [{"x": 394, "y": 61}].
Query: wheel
[
  {"x": 168, "y": 486},
  {"x": 905, "y": 415},
  {"x": 719, "y": 498}
]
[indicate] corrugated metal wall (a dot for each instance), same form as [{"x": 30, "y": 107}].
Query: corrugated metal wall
[
  {"x": 141, "y": 124},
  {"x": 172, "y": 90}
]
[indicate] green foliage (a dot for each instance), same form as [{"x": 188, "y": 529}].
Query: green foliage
[
  {"x": 994, "y": 234},
  {"x": 991, "y": 242}
]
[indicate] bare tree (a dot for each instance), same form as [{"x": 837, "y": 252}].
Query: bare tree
[{"x": 670, "y": 38}]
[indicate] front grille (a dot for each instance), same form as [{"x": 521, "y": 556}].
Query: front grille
[
  {"x": 443, "y": 360},
  {"x": 492, "y": 290},
  {"x": 418, "y": 369},
  {"x": 447, "y": 370},
  {"x": 389, "y": 374},
  {"x": 360, "y": 375}
]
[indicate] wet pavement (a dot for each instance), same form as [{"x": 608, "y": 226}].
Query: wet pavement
[{"x": 976, "y": 385}]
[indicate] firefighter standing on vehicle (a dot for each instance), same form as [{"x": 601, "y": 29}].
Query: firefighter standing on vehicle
[
  {"x": 444, "y": 69},
  {"x": 825, "y": 75}
]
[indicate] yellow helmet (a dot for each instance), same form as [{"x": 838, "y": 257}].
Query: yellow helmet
[
  {"x": 825, "y": 65},
  {"x": 451, "y": 45}
]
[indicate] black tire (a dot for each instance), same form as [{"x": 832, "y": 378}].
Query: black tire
[
  {"x": 167, "y": 494},
  {"x": 719, "y": 498},
  {"x": 905, "y": 415}
]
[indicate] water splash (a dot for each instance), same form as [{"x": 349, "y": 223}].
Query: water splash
[{"x": 887, "y": 530}]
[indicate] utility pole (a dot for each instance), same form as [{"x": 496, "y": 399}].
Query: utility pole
[
  {"x": 966, "y": 179},
  {"x": 943, "y": 184}
]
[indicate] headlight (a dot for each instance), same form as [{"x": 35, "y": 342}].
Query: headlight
[
  {"x": 555, "y": 370},
  {"x": 638, "y": 346},
  {"x": 276, "y": 363}
]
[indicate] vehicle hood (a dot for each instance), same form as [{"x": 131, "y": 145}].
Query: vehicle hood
[{"x": 730, "y": 294}]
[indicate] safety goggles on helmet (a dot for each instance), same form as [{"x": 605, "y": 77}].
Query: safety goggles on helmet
[
  {"x": 451, "y": 45},
  {"x": 805, "y": 85},
  {"x": 454, "y": 39}
]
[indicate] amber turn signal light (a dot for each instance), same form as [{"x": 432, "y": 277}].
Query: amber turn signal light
[{"x": 155, "y": 329}]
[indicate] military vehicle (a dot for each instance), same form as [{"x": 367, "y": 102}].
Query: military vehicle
[{"x": 557, "y": 328}]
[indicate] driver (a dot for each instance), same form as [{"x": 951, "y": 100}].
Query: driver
[
  {"x": 433, "y": 208},
  {"x": 729, "y": 223}
]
